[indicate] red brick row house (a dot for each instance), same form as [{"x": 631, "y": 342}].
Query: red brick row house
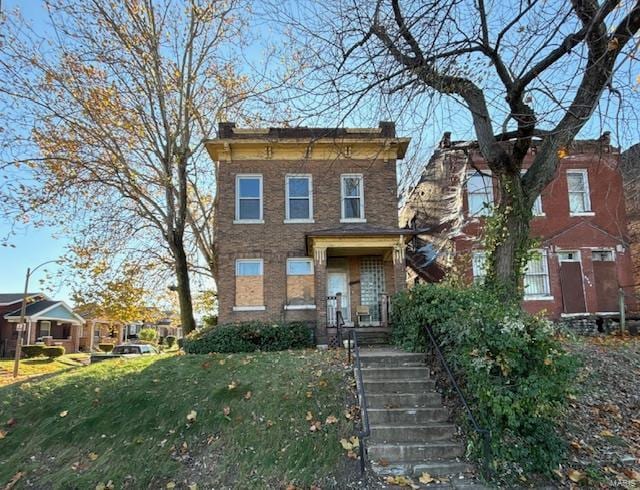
[
  {"x": 307, "y": 224},
  {"x": 50, "y": 321},
  {"x": 583, "y": 252}
]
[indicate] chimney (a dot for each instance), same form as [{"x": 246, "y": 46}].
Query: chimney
[
  {"x": 445, "y": 142},
  {"x": 388, "y": 129},
  {"x": 605, "y": 138},
  {"x": 225, "y": 129}
]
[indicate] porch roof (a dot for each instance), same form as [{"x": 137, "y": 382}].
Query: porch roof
[
  {"x": 11, "y": 298},
  {"x": 47, "y": 310},
  {"x": 354, "y": 236}
]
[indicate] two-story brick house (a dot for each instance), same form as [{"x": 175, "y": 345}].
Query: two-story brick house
[
  {"x": 307, "y": 223},
  {"x": 580, "y": 225}
]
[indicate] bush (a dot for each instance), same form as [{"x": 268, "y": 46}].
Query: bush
[
  {"x": 32, "y": 350},
  {"x": 171, "y": 340},
  {"x": 248, "y": 337},
  {"x": 514, "y": 372},
  {"x": 53, "y": 351},
  {"x": 105, "y": 347},
  {"x": 148, "y": 334},
  {"x": 180, "y": 343}
]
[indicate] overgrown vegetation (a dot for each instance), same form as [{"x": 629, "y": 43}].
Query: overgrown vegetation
[
  {"x": 106, "y": 347},
  {"x": 225, "y": 421},
  {"x": 516, "y": 375},
  {"x": 148, "y": 334},
  {"x": 249, "y": 337}
]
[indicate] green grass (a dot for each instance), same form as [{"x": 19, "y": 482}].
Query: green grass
[
  {"x": 132, "y": 414},
  {"x": 37, "y": 366}
]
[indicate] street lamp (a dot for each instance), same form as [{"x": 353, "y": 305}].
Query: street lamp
[{"x": 23, "y": 310}]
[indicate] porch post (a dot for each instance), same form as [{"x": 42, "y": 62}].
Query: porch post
[
  {"x": 399, "y": 267},
  {"x": 31, "y": 331},
  {"x": 92, "y": 330},
  {"x": 320, "y": 276},
  {"x": 75, "y": 336}
]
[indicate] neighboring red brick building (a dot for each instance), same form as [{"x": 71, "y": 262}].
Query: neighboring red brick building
[
  {"x": 580, "y": 222},
  {"x": 307, "y": 224}
]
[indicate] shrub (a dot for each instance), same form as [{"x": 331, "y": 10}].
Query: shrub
[
  {"x": 148, "y": 334},
  {"x": 171, "y": 340},
  {"x": 53, "y": 351},
  {"x": 514, "y": 372},
  {"x": 105, "y": 347},
  {"x": 32, "y": 350},
  {"x": 180, "y": 343},
  {"x": 248, "y": 337}
]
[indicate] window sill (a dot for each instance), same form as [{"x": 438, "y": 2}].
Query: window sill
[
  {"x": 249, "y": 308},
  {"x": 248, "y": 222},
  {"x": 297, "y": 221},
  {"x": 540, "y": 215},
  {"x": 586, "y": 213},
  {"x": 353, "y": 220},
  {"x": 299, "y": 307},
  {"x": 538, "y": 298},
  {"x": 574, "y": 315}
]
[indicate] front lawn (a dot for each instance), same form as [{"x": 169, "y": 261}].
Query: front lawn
[
  {"x": 38, "y": 366},
  {"x": 218, "y": 421}
]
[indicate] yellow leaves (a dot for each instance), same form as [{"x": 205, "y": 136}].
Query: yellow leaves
[
  {"x": 105, "y": 486},
  {"x": 247, "y": 395},
  {"x": 170, "y": 485},
  {"x": 348, "y": 415},
  {"x": 3, "y": 434},
  {"x": 232, "y": 386},
  {"x": 309, "y": 394},
  {"x": 191, "y": 416},
  {"x": 309, "y": 416},
  {"x": 575, "y": 476},
  {"x": 607, "y": 433},
  {"x": 323, "y": 383},
  {"x": 548, "y": 361},
  {"x": 222, "y": 362},
  {"x": 401, "y": 481},
  {"x": 315, "y": 426},
  {"x": 331, "y": 419},
  {"x": 92, "y": 456},
  {"x": 349, "y": 444},
  {"x": 64, "y": 413},
  {"x": 426, "y": 478},
  {"x": 562, "y": 153}
]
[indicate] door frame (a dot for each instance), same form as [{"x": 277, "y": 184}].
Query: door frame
[
  {"x": 578, "y": 259},
  {"x": 346, "y": 296}
]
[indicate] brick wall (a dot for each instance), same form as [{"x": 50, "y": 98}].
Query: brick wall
[{"x": 275, "y": 241}]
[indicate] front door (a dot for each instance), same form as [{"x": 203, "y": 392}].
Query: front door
[
  {"x": 571, "y": 282},
  {"x": 606, "y": 280},
  {"x": 337, "y": 282}
]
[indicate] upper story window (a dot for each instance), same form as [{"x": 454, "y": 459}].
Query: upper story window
[
  {"x": 299, "y": 198},
  {"x": 479, "y": 193},
  {"x": 352, "y": 193},
  {"x": 249, "y": 199},
  {"x": 536, "y": 276},
  {"x": 578, "y": 185}
]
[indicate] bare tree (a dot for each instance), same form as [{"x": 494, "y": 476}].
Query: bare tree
[
  {"x": 519, "y": 70},
  {"x": 103, "y": 119}
]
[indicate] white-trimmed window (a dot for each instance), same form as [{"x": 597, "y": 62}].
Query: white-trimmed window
[
  {"x": 578, "y": 186},
  {"x": 249, "y": 267},
  {"x": 479, "y": 266},
  {"x": 536, "y": 276},
  {"x": 352, "y": 197},
  {"x": 479, "y": 193},
  {"x": 602, "y": 256},
  {"x": 249, "y": 199},
  {"x": 45, "y": 328},
  {"x": 299, "y": 267},
  {"x": 536, "y": 209},
  {"x": 299, "y": 198}
]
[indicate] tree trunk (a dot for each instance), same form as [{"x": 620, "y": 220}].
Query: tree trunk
[
  {"x": 507, "y": 236},
  {"x": 183, "y": 287}
]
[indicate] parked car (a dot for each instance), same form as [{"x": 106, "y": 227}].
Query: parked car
[{"x": 125, "y": 350}]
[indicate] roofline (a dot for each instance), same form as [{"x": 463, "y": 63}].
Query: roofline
[
  {"x": 28, "y": 296},
  {"x": 40, "y": 313}
]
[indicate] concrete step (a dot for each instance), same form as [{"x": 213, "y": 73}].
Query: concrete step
[
  {"x": 406, "y": 416},
  {"x": 416, "y": 468},
  {"x": 434, "y": 431},
  {"x": 398, "y": 386},
  {"x": 399, "y": 452},
  {"x": 397, "y": 400},
  {"x": 371, "y": 357},
  {"x": 386, "y": 373}
]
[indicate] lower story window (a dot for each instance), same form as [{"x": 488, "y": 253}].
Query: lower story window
[
  {"x": 536, "y": 276},
  {"x": 249, "y": 283},
  {"x": 45, "y": 329},
  {"x": 300, "y": 282}
]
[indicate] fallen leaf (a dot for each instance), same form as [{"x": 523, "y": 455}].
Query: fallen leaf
[
  {"x": 93, "y": 456},
  {"x": 426, "y": 478},
  {"x": 171, "y": 485},
  {"x": 3, "y": 434},
  {"x": 331, "y": 420},
  {"x": 11, "y": 422},
  {"x": 383, "y": 462},
  {"x": 97, "y": 390},
  {"x": 352, "y": 455},
  {"x": 316, "y": 426},
  {"x": 226, "y": 411},
  {"x": 309, "y": 416},
  {"x": 606, "y": 433},
  {"x": 322, "y": 383},
  {"x": 193, "y": 486},
  {"x": 64, "y": 413},
  {"x": 291, "y": 486},
  {"x": 221, "y": 362},
  {"x": 232, "y": 385},
  {"x": 269, "y": 423},
  {"x": 247, "y": 395},
  {"x": 631, "y": 474},
  {"x": 308, "y": 394},
  {"x": 348, "y": 415},
  {"x": 575, "y": 476},
  {"x": 206, "y": 365},
  {"x": 346, "y": 444},
  {"x": 191, "y": 416},
  {"x": 401, "y": 481}
]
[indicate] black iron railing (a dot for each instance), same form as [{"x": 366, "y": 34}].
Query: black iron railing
[
  {"x": 483, "y": 433},
  {"x": 365, "y": 429}
]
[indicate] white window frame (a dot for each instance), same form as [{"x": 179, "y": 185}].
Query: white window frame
[
  {"x": 42, "y": 322},
  {"x": 479, "y": 273},
  {"x": 547, "y": 280},
  {"x": 249, "y": 261},
  {"x": 587, "y": 192},
  {"x": 577, "y": 258},
  {"x": 484, "y": 174},
  {"x": 237, "y": 198},
  {"x": 300, "y": 259},
  {"x": 288, "y": 218},
  {"x": 604, "y": 250},
  {"x": 362, "y": 218},
  {"x": 536, "y": 209}
]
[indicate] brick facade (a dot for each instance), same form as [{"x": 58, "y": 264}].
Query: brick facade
[{"x": 275, "y": 241}]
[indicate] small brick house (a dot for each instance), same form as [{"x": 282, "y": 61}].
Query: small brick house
[
  {"x": 583, "y": 256},
  {"x": 50, "y": 321},
  {"x": 307, "y": 225}
]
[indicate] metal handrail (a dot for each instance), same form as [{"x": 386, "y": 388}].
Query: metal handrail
[
  {"x": 362, "y": 397},
  {"x": 339, "y": 324},
  {"x": 481, "y": 431}
]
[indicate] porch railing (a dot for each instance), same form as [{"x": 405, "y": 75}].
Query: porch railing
[{"x": 365, "y": 429}]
